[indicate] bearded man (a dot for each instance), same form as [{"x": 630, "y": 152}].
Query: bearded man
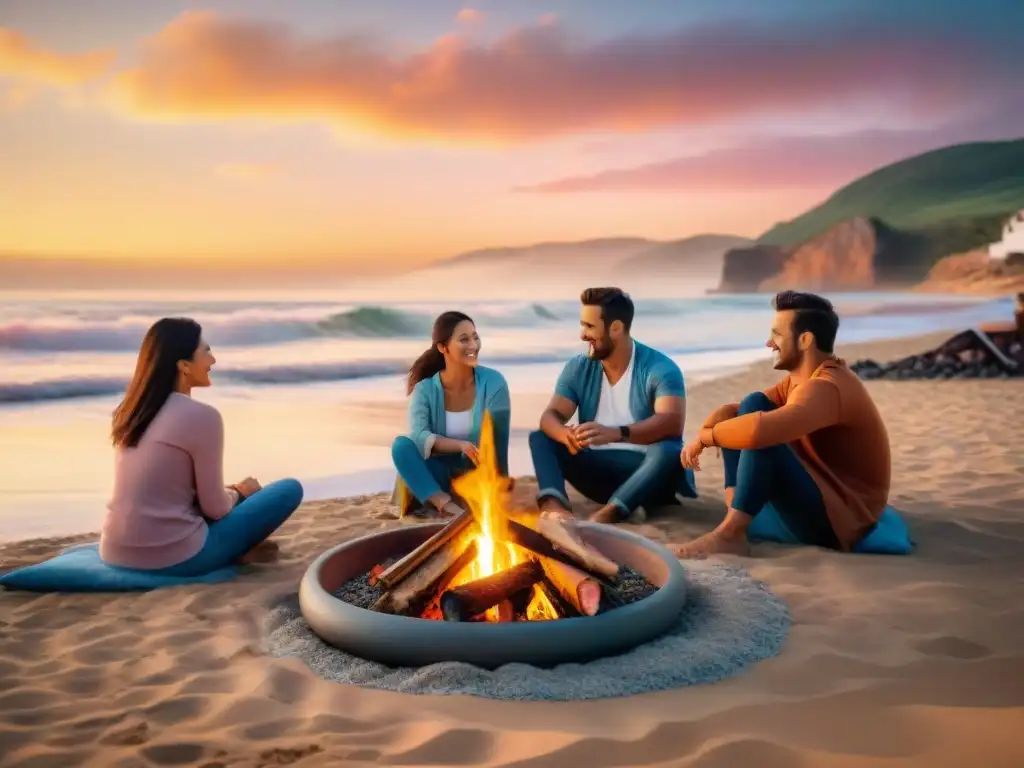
[{"x": 631, "y": 399}]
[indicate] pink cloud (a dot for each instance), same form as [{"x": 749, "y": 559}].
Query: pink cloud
[
  {"x": 537, "y": 82},
  {"x": 801, "y": 162}
]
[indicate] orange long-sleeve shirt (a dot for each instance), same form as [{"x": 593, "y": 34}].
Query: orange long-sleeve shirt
[{"x": 837, "y": 433}]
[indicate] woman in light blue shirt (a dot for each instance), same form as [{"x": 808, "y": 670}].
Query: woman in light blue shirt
[{"x": 449, "y": 393}]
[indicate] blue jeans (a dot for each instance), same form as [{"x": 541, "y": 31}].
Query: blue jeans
[
  {"x": 241, "y": 529},
  {"x": 426, "y": 477},
  {"x": 775, "y": 475},
  {"x": 628, "y": 479}
]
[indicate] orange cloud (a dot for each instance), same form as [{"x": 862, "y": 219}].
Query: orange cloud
[
  {"x": 540, "y": 82},
  {"x": 22, "y": 58},
  {"x": 247, "y": 171},
  {"x": 469, "y": 16}
]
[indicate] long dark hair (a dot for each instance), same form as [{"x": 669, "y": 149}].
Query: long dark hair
[
  {"x": 432, "y": 361},
  {"x": 156, "y": 373}
]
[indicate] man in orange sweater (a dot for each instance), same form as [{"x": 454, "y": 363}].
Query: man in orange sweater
[{"x": 813, "y": 446}]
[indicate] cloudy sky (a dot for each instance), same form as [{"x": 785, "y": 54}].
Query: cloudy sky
[{"x": 391, "y": 132}]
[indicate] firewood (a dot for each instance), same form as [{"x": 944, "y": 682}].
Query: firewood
[
  {"x": 539, "y": 544},
  {"x": 575, "y": 586},
  {"x": 468, "y": 600},
  {"x": 418, "y": 587},
  {"x": 563, "y": 609},
  {"x": 506, "y": 611},
  {"x": 393, "y": 575},
  {"x": 565, "y": 537}
]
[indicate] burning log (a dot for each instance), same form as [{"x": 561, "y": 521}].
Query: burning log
[
  {"x": 506, "y": 611},
  {"x": 568, "y": 540},
  {"x": 577, "y": 588},
  {"x": 563, "y": 609},
  {"x": 539, "y": 544},
  {"x": 390, "y": 577},
  {"x": 417, "y": 588},
  {"x": 464, "y": 602}
]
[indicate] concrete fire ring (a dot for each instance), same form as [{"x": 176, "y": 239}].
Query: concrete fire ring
[{"x": 402, "y": 641}]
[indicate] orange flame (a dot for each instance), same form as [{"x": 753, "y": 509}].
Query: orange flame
[{"x": 486, "y": 493}]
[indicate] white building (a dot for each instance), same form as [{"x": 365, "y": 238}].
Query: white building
[{"x": 1013, "y": 238}]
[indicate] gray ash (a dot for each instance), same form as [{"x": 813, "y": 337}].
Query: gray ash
[
  {"x": 358, "y": 591},
  {"x": 631, "y": 587}
]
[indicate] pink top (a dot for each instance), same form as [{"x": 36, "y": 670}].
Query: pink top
[{"x": 165, "y": 486}]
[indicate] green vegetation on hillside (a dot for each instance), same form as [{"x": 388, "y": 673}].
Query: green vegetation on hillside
[{"x": 946, "y": 201}]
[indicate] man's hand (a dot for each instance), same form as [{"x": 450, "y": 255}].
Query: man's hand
[
  {"x": 690, "y": 457},
  {"x": 570, "y": 440},
  {"x": 593, "y": 433}
]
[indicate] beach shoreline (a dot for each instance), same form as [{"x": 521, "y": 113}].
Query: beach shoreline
[{"x": 891, "y": 661}]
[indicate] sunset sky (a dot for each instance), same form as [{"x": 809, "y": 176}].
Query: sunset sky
[{"x": 386, "y": 133}]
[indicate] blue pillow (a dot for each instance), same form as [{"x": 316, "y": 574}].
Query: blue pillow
[
  {"x": 890, "y": 536},
  {"x": 80, "y": 569}
]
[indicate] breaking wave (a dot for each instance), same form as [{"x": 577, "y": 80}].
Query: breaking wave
[
  {"x": 250, "y": 327},
  {"x": 312, "y": 373}
]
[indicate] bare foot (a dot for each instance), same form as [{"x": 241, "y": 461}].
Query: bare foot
[
  {"x": 552, "y": 510},
  {"x": 264, "y": 552},
  {"x": 713, "y": 543},
  {"x": 608, "y": 514}
]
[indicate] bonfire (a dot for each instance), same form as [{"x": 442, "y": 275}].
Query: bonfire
[{"x": 483, "y": 565}]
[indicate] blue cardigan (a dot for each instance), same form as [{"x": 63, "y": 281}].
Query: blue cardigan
[
  {"x": 427, "y": 419},
  {"x": 654, "y": 375}
]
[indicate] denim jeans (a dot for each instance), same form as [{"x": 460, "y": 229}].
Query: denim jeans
[
  {"x": 241, "y": 529},
  {"x": 628, "y": 479},
  {"x": 426, "y": 477},
  {"x": 775, "y": 475}
]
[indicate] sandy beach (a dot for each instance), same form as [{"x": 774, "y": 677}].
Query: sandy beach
[{"x": 891, "y": 661}]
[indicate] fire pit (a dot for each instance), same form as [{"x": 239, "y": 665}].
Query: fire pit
[{"x": 489, "y": 589}]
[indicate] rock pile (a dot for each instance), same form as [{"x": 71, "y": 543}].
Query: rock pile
[{"x": 934, "y": 366}]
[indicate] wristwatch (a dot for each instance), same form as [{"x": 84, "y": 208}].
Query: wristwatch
[{"x": 624, "y": 434}]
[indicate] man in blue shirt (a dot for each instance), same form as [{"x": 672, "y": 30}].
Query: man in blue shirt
[{"x": 631, "y": 400}]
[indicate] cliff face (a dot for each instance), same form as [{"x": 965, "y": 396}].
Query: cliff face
[
  {"x": 854, "y": 255},
  {"x": 841, "y": 258},
  {"x": 744, "y": 269},
  {"x": 974, "y": 272}
]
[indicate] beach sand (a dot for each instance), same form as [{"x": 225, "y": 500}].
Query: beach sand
[{"x": 891, "y": 661}]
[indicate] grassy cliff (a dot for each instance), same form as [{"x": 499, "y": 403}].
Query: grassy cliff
[{"x": 946, "y": 201}]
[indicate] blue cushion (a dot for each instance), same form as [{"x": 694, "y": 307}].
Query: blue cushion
[
  {"x": 80, "y": 569},
  {"x": 890, "y": 536}
]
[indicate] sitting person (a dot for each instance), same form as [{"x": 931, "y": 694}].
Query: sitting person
[
  {"x": 449, "y": 393},
  {"x": 170, "y": 510},
  {"x": 814, "y": 445},
  {"x": 1008, "y": 337},
  {"x": 631, "y": 402}
]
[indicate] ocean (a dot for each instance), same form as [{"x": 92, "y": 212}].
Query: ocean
[{"x": 312, "y": 386}]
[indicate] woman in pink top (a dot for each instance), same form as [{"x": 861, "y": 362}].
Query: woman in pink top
[{"x": 170, "y": 510}]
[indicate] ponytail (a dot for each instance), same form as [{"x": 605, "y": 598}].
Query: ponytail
[
  {"x": 426, "y": 365},
  {"x": 432, "y": 361}
]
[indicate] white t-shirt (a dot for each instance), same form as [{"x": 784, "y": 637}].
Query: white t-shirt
[
  {"x": 613, "y": 407},
  {"x": 457, "y": 424}
]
